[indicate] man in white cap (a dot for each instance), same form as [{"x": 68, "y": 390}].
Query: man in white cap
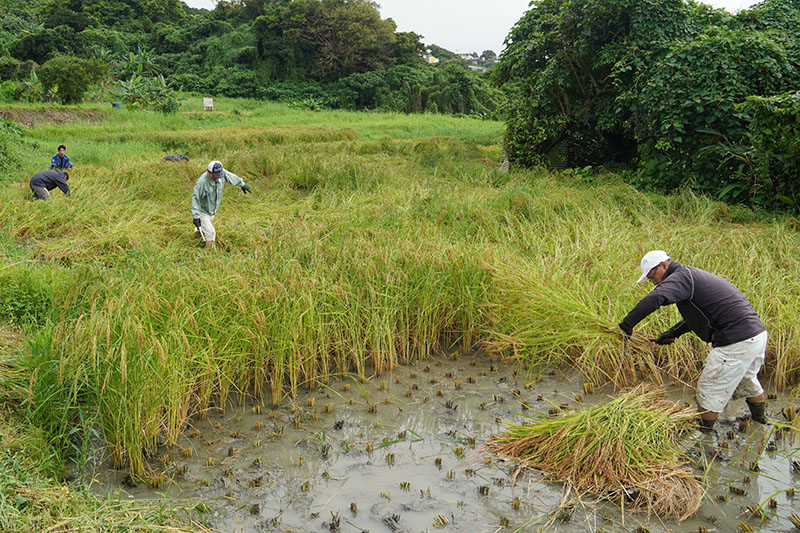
[
  {"x": 718, "y": 313},
  {"x": 207, "y": 196}
]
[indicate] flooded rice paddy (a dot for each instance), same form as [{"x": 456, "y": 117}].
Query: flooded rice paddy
[{"x": 402, "y": 453}]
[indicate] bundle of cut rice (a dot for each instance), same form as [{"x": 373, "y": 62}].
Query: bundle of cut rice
[{"x": 626, "y": 447}]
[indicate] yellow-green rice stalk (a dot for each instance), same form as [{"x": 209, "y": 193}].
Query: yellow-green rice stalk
[{"x": 624, "y": 449}]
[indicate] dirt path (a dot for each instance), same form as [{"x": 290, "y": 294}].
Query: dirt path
[{"x": 30, "y": 118}]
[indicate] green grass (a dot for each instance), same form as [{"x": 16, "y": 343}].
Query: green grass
[
  {"x": 370, "y": 240},
  {"x": 34, "y": 492}
]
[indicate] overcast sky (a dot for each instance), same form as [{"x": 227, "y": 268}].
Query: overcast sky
[{"x": 465, "y": 25}]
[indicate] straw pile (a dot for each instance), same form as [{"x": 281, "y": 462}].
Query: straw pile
[{"x": 625, "y": 450}]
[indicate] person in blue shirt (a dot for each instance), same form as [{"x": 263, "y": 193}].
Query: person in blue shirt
[{"x": 60, "y": 160}]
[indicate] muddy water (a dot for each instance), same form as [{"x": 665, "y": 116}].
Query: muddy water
[{"x": 401, "y": 452}]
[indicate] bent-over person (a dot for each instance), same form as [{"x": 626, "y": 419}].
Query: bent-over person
[
  {"x": 47, "y": 180},
  {"x": 717, "y": 312}
]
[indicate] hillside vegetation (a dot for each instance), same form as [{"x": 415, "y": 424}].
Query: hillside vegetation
[
  {"x": 316, "y": 53},
  {"x": 370, "y": 240}
]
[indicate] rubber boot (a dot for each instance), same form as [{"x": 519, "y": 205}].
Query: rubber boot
[
  {"x": 706, "y": 426},
  {"x": 758, "y": 412}
]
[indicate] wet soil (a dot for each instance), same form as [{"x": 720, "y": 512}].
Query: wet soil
[
  {"x": 30, "y": 118},
  {"x": 403, "y": 453}
]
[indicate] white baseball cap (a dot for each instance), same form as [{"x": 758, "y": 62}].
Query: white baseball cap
[
  {"x": 650, "y": 260},
  {"x": 215, "y": 169}
]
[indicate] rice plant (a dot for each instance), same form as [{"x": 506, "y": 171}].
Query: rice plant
[
  {"x": 625, "y": 450},
  {"x": 371, "y": 240}
]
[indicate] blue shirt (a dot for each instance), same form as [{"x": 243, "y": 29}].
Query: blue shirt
[{"x": 60, "y": 162}]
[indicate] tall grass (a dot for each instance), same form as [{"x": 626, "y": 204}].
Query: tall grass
[
  {"x": 33, "y": 496},
  {"x": 360, "y": 249}
]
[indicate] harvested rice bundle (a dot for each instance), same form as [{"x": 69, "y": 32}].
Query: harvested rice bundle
[{"x": 626, "y": 447}]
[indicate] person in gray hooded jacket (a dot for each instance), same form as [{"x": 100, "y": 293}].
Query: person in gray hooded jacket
[
  {"x": 207, "y": 196},
  {"x": 717, "y": 312}
]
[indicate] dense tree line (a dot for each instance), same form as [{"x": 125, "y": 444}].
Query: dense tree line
[
  {"x": 681, "y": 93},
  {"x": 337, "y": 53}
]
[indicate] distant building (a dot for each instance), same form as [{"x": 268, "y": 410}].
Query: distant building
[
  {"x": 469, "y": 56},
  {"x": 429, "y": 58}
]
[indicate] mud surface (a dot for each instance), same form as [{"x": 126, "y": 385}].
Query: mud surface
[
  {"x": 402, "y": 453},
  {"x": 30, "y": 118}
]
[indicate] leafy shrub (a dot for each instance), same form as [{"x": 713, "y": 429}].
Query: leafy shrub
[
  {"x": 689, "y": 102},
  {"x": 44, "y": 44},
  {"x": 14, "y": 69},
  {"x": 11, "y": 91},
  {"x": 148, "y": 91},
  {"x": 191, "y": 82},
  {"x": 571, "y": 63},
  {"x": 657, "y": 86},
  {"x": 309, "y": 104},
  {"x": 24, "y": 298},
  {"x": 235, "y": 83},
  {"x": 171, "y": 105},
  {"x": 774, "y": 135},
  {"x": 288, "y": 91},
  {"x": 70, "y": 77},
  {"x": 10, "y": 135}
]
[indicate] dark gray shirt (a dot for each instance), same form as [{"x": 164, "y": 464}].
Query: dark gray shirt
[
  {"x": 176, "y": 157},
  {"x": 710, "y": 306},
  {"x": 50, "y": 179}
]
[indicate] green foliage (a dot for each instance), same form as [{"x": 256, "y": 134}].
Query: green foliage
[
  {"x": 450, "y": 88},
  {"x": 288, "y": 91},
  {"x": 326, "y": 53},
  {"x": 779, "y": 16},
  {"x": 690, "y": 100},
  {"x": 10, "y": 137},
  {"x": 236, "y": 82},
  {"x": 14, "y": 69},
  {"x": 25, "y": 297},
  {"x": 149, "y": 92},
  {"x": 774, "y": 141},
  {"x": 653, "y": 85},
  {"x": 127, "y": 15},
  {"x": 570, "y": 62},
  {"x": 43, "y": 44},
  {"x": 33, "y": 90},
  {"x": 407, "y": 48},
  {"x": 458, "y": 90},
  {"x": 443, "y": 54},
  {"x": 70, "y": 77},
  {"x": 11, "y": 91}
]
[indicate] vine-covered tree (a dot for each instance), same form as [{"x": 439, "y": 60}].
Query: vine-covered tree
[
  {"x": 656, "y": 85},
  {"x": 570, "y": 62}
]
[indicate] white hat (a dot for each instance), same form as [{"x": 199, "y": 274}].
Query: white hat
[
  {"x": 215, "y": 169},
  {"x": 651, "y": 260}
]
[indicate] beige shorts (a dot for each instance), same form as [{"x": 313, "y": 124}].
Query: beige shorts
[
  {"x": 207, "y": 228},
  {"x": 731, "y": 372}
]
